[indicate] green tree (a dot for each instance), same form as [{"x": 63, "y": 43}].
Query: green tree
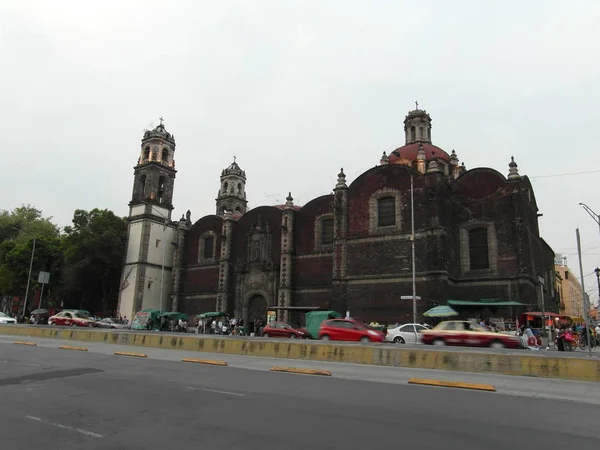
[
  {"x": 93, "y": 249},
  {"x": 18, "y": 228}
]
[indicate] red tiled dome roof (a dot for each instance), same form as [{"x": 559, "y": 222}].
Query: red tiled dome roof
[
  {"x": 408, "y": 153},
  {"x": 294, "y": 207}
]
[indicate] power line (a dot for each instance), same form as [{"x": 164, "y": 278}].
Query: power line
[{"x": 563, "y": 174}]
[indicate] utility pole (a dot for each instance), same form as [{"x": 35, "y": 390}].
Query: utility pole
[
  {"x": 597, "y": 271},
  {"x": 585, "y": 309}
]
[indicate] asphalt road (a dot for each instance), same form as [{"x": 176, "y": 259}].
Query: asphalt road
[{"x": 60, "y": 399}]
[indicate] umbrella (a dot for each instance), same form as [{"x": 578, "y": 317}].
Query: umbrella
[
  {"x": 441, "y": 311},
  {"x": 39, "y": 312}
]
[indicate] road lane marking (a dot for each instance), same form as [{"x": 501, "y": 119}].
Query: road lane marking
[
  {"x": 70, "y": 347},
  {"x": 32, "y": 344},
  {"x": 136, "y": 355},
  {"x": 453, "y": 384},
  {"x": 65, "y": 427},
  {"x": 224, "y": 392},
  {"x": 325, "y": 373},
  {"x": 205, "y": 361}
]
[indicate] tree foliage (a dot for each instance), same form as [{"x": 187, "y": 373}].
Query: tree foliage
[{"x": 84, "y": 261}]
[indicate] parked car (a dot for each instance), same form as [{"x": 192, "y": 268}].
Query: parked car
[
  {"x": 72, "y": 319},
  {"x": 468, "y": 334},
  {"x": 5, "y": 318},
  {"x": 405, "y": 333},
  {"x": 349, "y": 330},
  {"x": 111, "y": 322},
  {"x": 284, "y": 330}
]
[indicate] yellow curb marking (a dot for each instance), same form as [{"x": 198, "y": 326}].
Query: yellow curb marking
[
  {"x": 453, "y": 384},
  {"x": 303, "y": 371},
  {"x": 205, "y": 361},
  {"x": 137, "y": 355},
  {"x": 32, "y": 344},
  {"x": 70, "y": 347}
]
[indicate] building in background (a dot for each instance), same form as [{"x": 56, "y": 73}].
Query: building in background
[
  {"x": 477, "y": 240},
  {"x": 570, "y": 288}
]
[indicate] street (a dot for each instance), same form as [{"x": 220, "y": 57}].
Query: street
[{"x": 61, "y": 399}]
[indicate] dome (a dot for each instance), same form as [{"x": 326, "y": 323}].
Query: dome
[
  {"x": 159, "y": 132},
  {"x": 408, "y": 153}
]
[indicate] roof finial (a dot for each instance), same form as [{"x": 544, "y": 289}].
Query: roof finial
[
  {"x": 341, "y": 183},
  {"x": 513, "y": 171},
  {"x": 417, "y": 106},
  {"x": 234, "y": 158},
  {"x": 161, "y": 121}
]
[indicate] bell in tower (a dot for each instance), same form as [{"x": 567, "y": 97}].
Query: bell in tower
[{"x": 232, "y": 194}]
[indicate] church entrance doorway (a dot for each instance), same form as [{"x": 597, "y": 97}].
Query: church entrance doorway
[{"x": 257, "y": 313}]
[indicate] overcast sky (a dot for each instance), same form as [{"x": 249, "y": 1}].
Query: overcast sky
[{"x": 298, "y": 89}]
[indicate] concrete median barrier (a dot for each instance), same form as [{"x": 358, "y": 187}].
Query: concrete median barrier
[{"x": 544, "y": 365}]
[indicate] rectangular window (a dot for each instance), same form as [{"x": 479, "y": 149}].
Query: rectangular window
[
  {"x": 209, "y": 244},
  {"x": 478, "y": 249},
  {"x": 157, "y": 243},
  {"x": 386, "y": 212},
  {"x": 326, "y": 231},
  {"x": 566, "y": 274}
]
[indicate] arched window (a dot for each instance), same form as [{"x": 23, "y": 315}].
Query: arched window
[
  {"x": 423, "y": 132},
  {"x": 239, "y": 188},
  {"x": 146, "y": 154},
  {"x": 143, "y": 186},
  {"x": 478, "y": 249},
  {"x": 327, "y": 231},
  {"x": 225, "y": 187},
  {"x": 165, "y": 155},
  {"x": 209, "y": 247},
  {"x": 413, "y": 134},
  {"x": 429, "y": 134},
  {"x": 161, "y": 188},
  {"x": 237, "y": 209},
  {"x": 386, "y": 211}
]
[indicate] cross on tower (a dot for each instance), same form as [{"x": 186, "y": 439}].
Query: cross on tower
[
  {"x": 417, "y": 106},
  {"x": 234, "y": 158},
  {"x": 161, "y": 120}
]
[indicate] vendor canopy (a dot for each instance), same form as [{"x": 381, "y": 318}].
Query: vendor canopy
[{"x": 484, "y": 302}]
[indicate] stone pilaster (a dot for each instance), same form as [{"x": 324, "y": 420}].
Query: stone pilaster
[
  {"x": 223, "y": 290},
  {"x": 285, "y": 267},
  {"x": 340, "y": 234},
  {"x": 179, "y": 263}
]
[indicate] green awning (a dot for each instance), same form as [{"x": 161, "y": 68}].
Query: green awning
[{"x": 483, "y": 302}]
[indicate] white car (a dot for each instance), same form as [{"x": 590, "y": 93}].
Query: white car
[
  {"x": 404, "y": 334},
  {"x": 5, "y": 318}
]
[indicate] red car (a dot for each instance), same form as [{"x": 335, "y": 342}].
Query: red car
[
  {"x": 283, "y": 330},
  {"x": 468, "y": 334},
  {"x": 349, "y": 330},
  {"x": 72, "y": 319}
]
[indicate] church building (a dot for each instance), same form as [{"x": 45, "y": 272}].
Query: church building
[{"x": 476, "y": 240}]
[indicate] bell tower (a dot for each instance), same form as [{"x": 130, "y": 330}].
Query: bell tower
[
  {"x": 146, "y": 280},
  {"x": 232, "y": 194}
]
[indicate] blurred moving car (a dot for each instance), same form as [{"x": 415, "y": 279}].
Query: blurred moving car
[
  {"x": 284, "y": 330},
  {"x": 5, "y": 318},
  {"x": 72, "y": 319},
  {"x": 349, "y": 330},
  {"x": 403, "y": 334},
  {"x": 468, "y": 334},
  {"x": 112, "y": 322}
]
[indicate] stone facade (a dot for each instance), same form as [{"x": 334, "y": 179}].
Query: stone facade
[{"x": 475, "y": 231}]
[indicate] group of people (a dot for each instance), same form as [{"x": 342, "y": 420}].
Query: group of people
[{"x": 220, "y": 326}]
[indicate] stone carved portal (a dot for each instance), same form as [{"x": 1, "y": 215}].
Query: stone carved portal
[{"x": 257, "y": 309}]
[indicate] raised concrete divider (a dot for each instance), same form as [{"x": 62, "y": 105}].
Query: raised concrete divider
[{"x": 535, "y": 365}]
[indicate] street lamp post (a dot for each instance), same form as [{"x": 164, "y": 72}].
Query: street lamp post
[
  {"x": 593, "y": 215},
  {"x": 585, "y": 309}
]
